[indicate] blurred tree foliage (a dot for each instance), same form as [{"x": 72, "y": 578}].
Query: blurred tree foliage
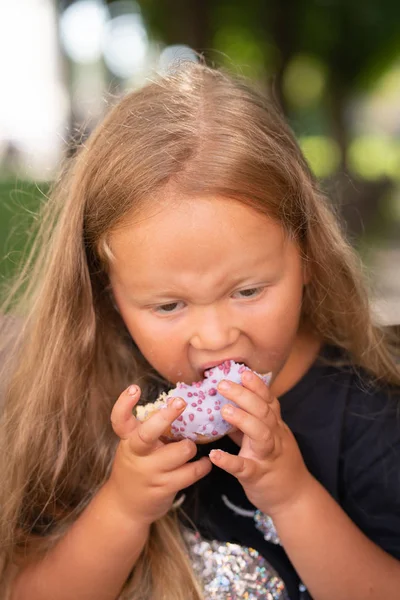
[
  {"x": 20, "y": 201},
  {"x": 317, "y": 56},
  {"x": 353, "y": 41}
]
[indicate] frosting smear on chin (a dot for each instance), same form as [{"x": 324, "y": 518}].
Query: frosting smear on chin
[{"x": 201, "y": 421}]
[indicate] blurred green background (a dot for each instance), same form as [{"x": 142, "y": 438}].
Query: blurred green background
[{"x": 333, "y": 65}]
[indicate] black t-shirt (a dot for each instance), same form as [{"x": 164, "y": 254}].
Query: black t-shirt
[{"x": 349, "y": 434}]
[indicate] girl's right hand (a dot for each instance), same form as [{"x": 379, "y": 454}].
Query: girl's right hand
[{"x": 147, "y": 473}]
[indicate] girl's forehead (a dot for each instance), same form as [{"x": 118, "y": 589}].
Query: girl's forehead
[
  {"x": 203, "y": 219},
  {"x": 197, "y": 236}
]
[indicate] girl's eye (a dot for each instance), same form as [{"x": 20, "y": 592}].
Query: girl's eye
[
  {"x": 248, "y": 293},
  {"x": 171, "y": 307}
]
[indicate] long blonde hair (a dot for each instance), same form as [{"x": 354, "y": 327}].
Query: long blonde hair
[{"x": 202, "y": 132}]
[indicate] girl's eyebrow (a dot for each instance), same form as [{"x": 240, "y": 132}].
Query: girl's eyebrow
[
  {"x": 262, "y": 270},
  {"x": 170, "y": 293}
]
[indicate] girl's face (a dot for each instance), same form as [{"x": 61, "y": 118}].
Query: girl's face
[{"x": 206, "y": 280}]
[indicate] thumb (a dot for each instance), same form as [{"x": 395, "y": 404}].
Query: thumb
[{"x": 122, "y": 419}]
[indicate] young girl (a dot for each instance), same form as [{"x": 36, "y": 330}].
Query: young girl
[{"x": 187, "y": 231}]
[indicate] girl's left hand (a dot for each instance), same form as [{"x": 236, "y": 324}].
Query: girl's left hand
[{"x": 269, "y": 466}]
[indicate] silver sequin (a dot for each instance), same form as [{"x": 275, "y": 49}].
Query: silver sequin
[
  {"x": 262, "y": 521},
  {"x": 232, "y": 572},
  {"x": 265, "y": 524}
]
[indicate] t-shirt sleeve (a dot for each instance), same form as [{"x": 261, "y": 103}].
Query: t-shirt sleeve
[{"x": 370, "y": 465}]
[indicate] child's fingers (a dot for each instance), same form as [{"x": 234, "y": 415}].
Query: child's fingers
[
  {"x": 256, "y": 405},
  {"x": 261, "y": 433},
  {"x": 146, "y": 434},
  {"x": 236, "y": 436},
  {"x": 255, "y": 384},
  {"x": 250, "y": 403},
  {"x": 242, "y": 468},
  {"x": 174, "y": 455},
  {"x": 190, "y": 473},
  {"x": 122, "y": 419}
]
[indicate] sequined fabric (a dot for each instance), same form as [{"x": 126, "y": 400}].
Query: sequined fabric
[
  {"x": 232, "y": 572},
  {"x": 262, "y": 521},
  {"x": 265, "y": 524}
]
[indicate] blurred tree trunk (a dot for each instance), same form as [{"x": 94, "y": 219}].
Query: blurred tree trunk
[
  {"x": 189, "y": 23},
  {"x": 183, "y": 22},
  {"x": 337, "y": 106},
  {"x": 278, "y": 18}
]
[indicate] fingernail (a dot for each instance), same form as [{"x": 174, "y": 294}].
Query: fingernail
[
  {"x": 133, "y": 390},
  {"x": 224, "y": 385},
  {"x": 179, "y": 403},
  {"x": 215, "y": 454},
  {"x": 247, "y": 375},
  {"x": 227, "y": 409}
]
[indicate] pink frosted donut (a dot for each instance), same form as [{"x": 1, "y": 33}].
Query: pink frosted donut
[{"x": 201, "y": 421}]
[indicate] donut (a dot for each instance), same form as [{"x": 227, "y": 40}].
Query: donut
[{"x": 201, "y": 421}]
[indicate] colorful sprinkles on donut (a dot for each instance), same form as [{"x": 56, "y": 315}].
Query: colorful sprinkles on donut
[{"x": 201, "y": 421}]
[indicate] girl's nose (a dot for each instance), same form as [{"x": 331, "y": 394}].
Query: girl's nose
[{"x": 213, "y": 330}]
